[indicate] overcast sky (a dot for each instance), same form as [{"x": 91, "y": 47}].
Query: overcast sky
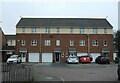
[{"x": 12, "y": 10}]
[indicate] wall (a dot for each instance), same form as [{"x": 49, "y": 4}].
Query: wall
[{"x": 65, "y": 45}]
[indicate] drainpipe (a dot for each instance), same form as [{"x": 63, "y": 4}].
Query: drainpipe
[
  {"x": 88, "y": 44},
  {"x": 40, "y": 57}
]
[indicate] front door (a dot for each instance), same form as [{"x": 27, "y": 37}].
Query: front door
[
  {"x": 57, "y": 54},
  {"x": 23, "y": 56}
]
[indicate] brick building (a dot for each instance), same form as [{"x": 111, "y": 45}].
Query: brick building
[
  {"x": 3, "y": 43},
  {"x": 54, "y": 39},
  {"x": 10, "y": 46}
]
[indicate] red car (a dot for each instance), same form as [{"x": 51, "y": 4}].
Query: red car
[{"x": 85, "y": 59}]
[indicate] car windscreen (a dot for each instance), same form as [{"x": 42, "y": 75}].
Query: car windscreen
[
  {"x": 13, "y": 57},
  {"x": 72, "y": 57}
]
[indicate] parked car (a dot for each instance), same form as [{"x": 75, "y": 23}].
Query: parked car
[
  {"x": 14, "y": 59},
  {"x": 118, "y": 71},
  {"x": 102, "y": 60},
  {"x": 72, "y": 59},
  {"x": 85, "y": 59}
]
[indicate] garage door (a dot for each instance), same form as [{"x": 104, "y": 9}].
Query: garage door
[
  {"x": 94, "y": 56},
  {"x": 81, "y": 54},
  {"x": 47, "y": 57},
  {"x": 33, "y": 57}
]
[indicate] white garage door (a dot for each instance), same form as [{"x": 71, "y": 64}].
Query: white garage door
[
  {"x": 81, "y": 54},
  {"x": 47, "y": 57},
  {"x": 33, "y": 57},
  {"x": 94, "y": 56}
]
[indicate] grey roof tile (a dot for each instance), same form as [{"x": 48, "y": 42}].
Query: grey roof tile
[{"x": 80, "y": 22}]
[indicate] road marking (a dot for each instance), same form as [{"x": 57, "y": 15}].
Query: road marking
[
  {"x": 50, "y": 78},
  {"x": 62, "y": 79}
]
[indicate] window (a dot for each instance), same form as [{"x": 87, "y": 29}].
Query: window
[
  {"x": 71, "y": 42},
  {"x": 34, "y": 42},
  {"x": 82, "y": 42},
  {"x": 71, "y": 30},
  {"x": 47, "y": 42},
  {"x": 105, "y": 43},
  {"x": 95, "y": 31},
  {"x": 23, "y": 42},
  {"x": 10, "y": 42},
  {"x": 58, "y": 29},
  {"x": 34, "y": 30},
  {"x": 105, "y": 31},
  {"x": 57, "y": 42},
  {"x": 81, "y": 31},
  {"x": 23, "y": 29},
  {"x": 95, "y": 42},
  {"x": 47, "y": 29}
]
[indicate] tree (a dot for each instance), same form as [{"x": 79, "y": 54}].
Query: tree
[{"x": 117, "y": 42}]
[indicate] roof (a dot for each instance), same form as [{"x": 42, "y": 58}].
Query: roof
[
  {"x": 81, "y": 22},
  {"x": 9, "y": 37}
]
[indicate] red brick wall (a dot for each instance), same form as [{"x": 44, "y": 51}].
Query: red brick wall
[{"x": 65, "y": 45}]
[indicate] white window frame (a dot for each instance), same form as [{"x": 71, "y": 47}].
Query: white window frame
[
  {"x": 105, "y": 30},
  {"x": 71, "y": 42},
  {"x": 23, "y": 42},
  {"x": 34, "y": 43},
  {"x": 23, "y": 29},
  {"x": 105, "y": 43},
  {"x": 57, "y": 42},
  {"x": 34, "y": 29},
  {"x": 58, "y": 29},
  {"x": 82, "y": 30},
  {"x": 82, "y": 42},
  {"x": 95, "y": 31},
  {"x": 95, "y": 42},
  {"x": 71, "y": 30},
  {"x": 47, "y": 29},
  {"x": 47, "y": 43}
]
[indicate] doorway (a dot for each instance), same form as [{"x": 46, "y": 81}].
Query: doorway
[
  {"x": 57, "y": 55},
  {"x": 105, "y": 54},
  {"x": 23, "y": 56}
]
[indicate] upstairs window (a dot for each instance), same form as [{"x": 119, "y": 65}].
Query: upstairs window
[
  {"x": 81, "y": 31},
  {"x": 95, "y": 42},
  {"x": 47, "y": 30},
  {"x": 34, "y": 43},
  {"x": 47, "y": 43},
  {"x": 34, "y": 30},
  {"x": 105, "y": 31},
  {"x": 57, "y": 42},
  {"x": 105, "y": 43},
  {"x": 58, "y": 29},
  {"x": 23, "y": 29},
  {"x": 82, "y": 42},
  {"x": 95, "y": 31},
  {"x": 71, "y": 42},
  {"x": 71, "y": 30},
  {"x": 23, "y": 42}
]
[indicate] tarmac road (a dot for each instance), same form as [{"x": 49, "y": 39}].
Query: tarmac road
[{"x": 74, "y": 72}]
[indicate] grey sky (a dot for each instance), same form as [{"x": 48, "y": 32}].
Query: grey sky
[{"x": 12, "y": 10}]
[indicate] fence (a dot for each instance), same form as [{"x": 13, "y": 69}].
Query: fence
[{"x": 16, "y": 72}]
